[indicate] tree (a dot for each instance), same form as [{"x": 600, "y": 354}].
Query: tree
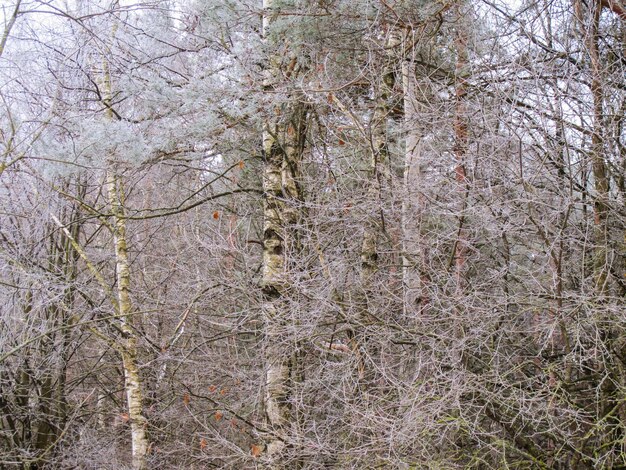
[{"x": 284, "y": 136}]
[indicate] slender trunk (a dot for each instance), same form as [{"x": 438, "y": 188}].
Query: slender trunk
[
  {"x": 378, "y": 169},
  {"x": 9, "y": 25},
  {"x": 379, "y": 178},
  {"x": 612, "y": 403},
  {"x": 129, "y": 341},
  {"x": 460, "y": 147},
  {"x": 134, "y": 396},
  {"x": 411, "y": 202},
  {"x": 72, "y": 258},
  {"x": 598, "y": 164}
]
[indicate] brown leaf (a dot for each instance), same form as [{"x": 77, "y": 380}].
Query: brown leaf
[
  {"x": 212, "y": 388},
  {"x": 216, "y": 215},
  {"x": 124, "y": 417},
  {"x": 203, "y": 443},
  {"x": 241, "y": 165},
  {"x": 341, "y": 142},
  {"x": 218, "y": 415},
  {"x": 256, "y": 450},
  {"x": 186, "y": 399}
]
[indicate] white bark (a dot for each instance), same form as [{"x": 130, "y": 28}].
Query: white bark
[
  {"x": 283, "y": 141},
  {"x": 379, "y": 186},
  {"x": 134, "y": 396}
]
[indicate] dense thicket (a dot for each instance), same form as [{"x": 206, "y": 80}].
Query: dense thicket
[{"x": 296, "y": 234}]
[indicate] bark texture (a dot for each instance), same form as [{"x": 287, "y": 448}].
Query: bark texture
[
  {"x": 598, "y": 164},
  {"x": 128, "y": 346},
  {"x": 283, "y": 145}
]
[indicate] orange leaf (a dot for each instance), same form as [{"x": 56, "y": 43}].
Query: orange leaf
[
  {"x": 212, "y": 388},
  {"x": 216, "y": 215},
  {"x": 241, "y": 165},
  {"x": 218, "y": 415},
  {"x": 202, "y": 443},
  {"x": 124, "y": 417},
  {"x": 186, "y": 398},
  {"x": 330, "y": 98},
  {"x": 256, "y": 450},
  {"x": 223, "y": 391},
  {"x": 341, "y": 142}
]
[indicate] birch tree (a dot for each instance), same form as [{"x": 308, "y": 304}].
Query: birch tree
[{"x": 284, "y": 136}]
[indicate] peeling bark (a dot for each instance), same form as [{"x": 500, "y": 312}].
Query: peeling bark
[{"x": 283, "y": 144}]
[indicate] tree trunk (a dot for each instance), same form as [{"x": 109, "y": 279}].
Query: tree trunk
[
  {"x": 283, "y": 144},
  {"x": 598, "y": 165},
  {"x": 379, "y": 181},
  {"x": 134, "y": 396},
  {"x": 460, "y": 147}
]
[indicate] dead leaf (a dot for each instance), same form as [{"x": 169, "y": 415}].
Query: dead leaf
[
  {"x": 218, "y": 415},
  {"x": 186, "y": 399},
  {"x": 256, "y": 450},
  {"x": 203, "y": 443},
  {"x": 216, "y": 215}
]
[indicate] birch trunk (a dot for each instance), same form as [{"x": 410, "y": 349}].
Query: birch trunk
[
  {"x": 378, "y": 170},
  {"x": 379, "y": 180},
  {"x": 128, "y": 344},
  {"x": 283, "y": 145},
  {"x": 134, "y": 396}
]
